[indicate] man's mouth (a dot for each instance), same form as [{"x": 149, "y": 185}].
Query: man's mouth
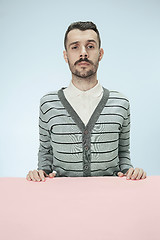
[{"x": 83, "y": 63}]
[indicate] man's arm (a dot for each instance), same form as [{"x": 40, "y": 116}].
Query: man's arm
[
  {"x": 124, "y": 152},
  {"x": 124, "y": 144},
  {"x": 45, "y": 153}
]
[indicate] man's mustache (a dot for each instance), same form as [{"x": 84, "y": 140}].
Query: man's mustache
[{"x": 83, "y": 60}]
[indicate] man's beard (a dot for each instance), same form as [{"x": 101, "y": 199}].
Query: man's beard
[{"x": 86, "y": 74}]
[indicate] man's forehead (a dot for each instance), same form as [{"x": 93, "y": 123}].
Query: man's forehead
[{"x": 78, "y": 35}]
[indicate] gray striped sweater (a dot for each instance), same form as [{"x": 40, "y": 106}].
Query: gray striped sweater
[{"x": 101, "y": 148}]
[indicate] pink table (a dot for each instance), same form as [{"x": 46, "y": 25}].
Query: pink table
[{"x": 89, "y": 208}]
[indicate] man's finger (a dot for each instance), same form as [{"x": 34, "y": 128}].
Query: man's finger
[
  {"x": 36, "y": 175},
  {"x": 144, "y": 175},
  {"x": 42, "y": 175},
  {"x": 120, "y": 174},
  {"x": 130, "y": 172},
  {"x": 28, "y": 177},
  {"x": 139, "y": 174},
  {"x": 31, "y": 176}
]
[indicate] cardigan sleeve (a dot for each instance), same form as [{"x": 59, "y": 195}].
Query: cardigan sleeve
[
  {"x": 124, "y": 144},
  {"x": 45, "y": 153}
]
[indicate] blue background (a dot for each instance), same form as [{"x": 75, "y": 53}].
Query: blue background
[{"x": 32, "y": 64}]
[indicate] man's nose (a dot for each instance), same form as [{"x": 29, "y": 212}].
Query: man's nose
[{"x": 83, "y": 53}]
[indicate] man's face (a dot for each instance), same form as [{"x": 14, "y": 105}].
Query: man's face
[{"x": 83, "y": 53}]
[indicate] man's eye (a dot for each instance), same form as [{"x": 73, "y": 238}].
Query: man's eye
[
  {"x": 90, "y": 46},
  {"x": 75, "y": 47}
]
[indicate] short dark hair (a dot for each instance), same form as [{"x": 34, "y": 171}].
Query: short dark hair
[{"x": 82, "y": 26}]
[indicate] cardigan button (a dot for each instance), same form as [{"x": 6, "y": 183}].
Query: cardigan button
[
  {"x": 86, "y": 167},
  {"x": 86, "y": 132},
  {"x": 86, "y": 148}
]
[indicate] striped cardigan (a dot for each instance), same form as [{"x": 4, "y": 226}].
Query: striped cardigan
[{"x": 101, "y": 148}]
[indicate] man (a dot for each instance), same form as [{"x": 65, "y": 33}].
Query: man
[{"x": 84, "y": 128}]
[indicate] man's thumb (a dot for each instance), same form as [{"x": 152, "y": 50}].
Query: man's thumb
[
  {"x": 120, "y": 174},
  {"x": 51, "y": 175}
]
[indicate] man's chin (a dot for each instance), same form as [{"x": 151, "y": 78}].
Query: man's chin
[{"x": 84, "y": 75}]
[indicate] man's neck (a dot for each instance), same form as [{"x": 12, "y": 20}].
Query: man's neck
[{"x": 84, "y": 84}]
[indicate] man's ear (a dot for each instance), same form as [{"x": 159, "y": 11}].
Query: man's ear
[
  {"x": 65, "y": 56},
  {"x": 101, "y": 53}
]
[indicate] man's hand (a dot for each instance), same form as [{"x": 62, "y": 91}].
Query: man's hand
[
  {"x": 38, "y": 175},
  {"x": 132, "y": 173}
]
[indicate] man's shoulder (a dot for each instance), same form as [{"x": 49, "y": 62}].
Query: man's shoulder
[
  {"x": 118, "y": 99},
  {"x": 49, "y": 97},
  {"x": 117, "y": 95},
  {"x": 50, "y": 94}
]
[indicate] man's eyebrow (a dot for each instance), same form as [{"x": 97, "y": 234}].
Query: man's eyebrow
[
  {"x": 73, "y": 43},
  {"x": 90, "y": 40}
]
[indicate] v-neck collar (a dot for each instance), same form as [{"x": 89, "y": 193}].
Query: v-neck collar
[{"x": 94, "y": 117}]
